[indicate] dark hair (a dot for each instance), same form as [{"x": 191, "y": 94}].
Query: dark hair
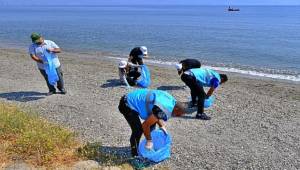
[{"x": 223, "y": 77}]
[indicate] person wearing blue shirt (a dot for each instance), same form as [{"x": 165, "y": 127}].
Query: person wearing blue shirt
[
  {"x": 198, "y": 78},
  {"x": 152, "y": 106}
]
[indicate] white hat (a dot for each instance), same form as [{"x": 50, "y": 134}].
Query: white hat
[
  {"x": 122, "y": 64},
  {"x": 144, "y": 50},
  {"x": 178, "y": 66}
]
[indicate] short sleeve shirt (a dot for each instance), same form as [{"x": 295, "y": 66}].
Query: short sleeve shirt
[
  {"x": 214, "y": 82},
  {"x": 39, "y": 50}
]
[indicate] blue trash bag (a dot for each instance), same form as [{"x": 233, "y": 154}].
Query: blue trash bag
[
  {"x": 161, "y": 147},
  {"x": 145, "y": 79},
  {"x": 50, "y": 68},
  {"x": 209, "y": 102}
]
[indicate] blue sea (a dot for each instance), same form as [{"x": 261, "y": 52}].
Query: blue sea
[{"x": 258, "y": 40}]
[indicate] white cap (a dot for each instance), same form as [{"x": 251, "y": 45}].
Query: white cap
[
  {"x": 144, "y": 50},
  {"x": 178, "y": 66},
  {"x": 122, "y": 64}
]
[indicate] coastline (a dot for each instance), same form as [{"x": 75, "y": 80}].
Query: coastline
[
  {"x": 243, "y": 71},
  {"x": 255, "y": 121}
]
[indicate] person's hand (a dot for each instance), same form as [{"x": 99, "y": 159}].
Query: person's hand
[
  {"x": 163, "y": 128},
  {"x": 149, "y": 144},
  {"x": 50, "y": 50},
  {"x": 40, "y": 61}
]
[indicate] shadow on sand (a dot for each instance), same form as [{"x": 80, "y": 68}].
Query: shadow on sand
[
  {"x": 170, "y": 88},
  {"x": 111, "y": 83},
  {"x": 109, "y": 155},
  {"x": 23, "y": 96}
]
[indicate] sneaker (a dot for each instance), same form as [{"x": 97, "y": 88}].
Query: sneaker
[
  {"x": 50, "y": 93},
  {"x": 202, "y": 116},
  {"x": 63, "y": 92}
]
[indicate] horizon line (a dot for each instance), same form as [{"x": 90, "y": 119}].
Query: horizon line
[{"x": 91, "y": 5}]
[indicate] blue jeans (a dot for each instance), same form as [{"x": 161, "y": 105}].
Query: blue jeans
[{"x": 60, "y": 83}]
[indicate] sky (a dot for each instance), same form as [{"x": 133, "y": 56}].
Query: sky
[{"x": 150, "y": 2}]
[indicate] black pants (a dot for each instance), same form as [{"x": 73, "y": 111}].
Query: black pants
[
  {"x": 132, "y": 118},
  {"x": 196, "y": 91},
  {"x": 60, "y": 83},
  {"x": 132, "y": 76}
]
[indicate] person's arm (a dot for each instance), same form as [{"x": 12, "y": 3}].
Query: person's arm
[
  {"x": 133, "y": 65},
  {"x": 210, "y": 92},
  {"x": 162, "y": 126},
  {"x": 54, "y": 50},
  {"x": 160, "y": 123},
  {"x": 35, "y": 58},
  {"x": 125, "y": 80},
  {"x": 214, "y": 84},
  {"x": 147, "y": 124},
  {"x": 146, "y": 129}
]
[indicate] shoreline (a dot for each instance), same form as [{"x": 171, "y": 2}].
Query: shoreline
[
  {"x": 255, "y": 122},
  {"x": 244, "y": 71}
]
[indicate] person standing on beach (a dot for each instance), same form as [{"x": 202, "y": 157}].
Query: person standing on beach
[
  {"x": 37, "y": 51},
  {"x": 154, "y": 107},
  {"x": 187, "y": 64},
  {"x": 198, "y": 78}
]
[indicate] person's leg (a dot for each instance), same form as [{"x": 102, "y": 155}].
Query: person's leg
[
  {"x": 137, "y": 131},
  {"x": 50, "y": 87},
  {"x": 201, "y": 99},
  {"x": 136, "y": 75},
  {"x": 133, "y": 75},
  {"x": 191, "y": 82},
  {"x": 60, "y": 83},
  {"x": 135, "y": 124},
  {"x": 130, "y": 81}
]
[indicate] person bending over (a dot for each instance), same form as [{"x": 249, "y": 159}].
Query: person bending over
[
  {"x": 152, "y": 106},
  {"x": 198, "y": 78}
]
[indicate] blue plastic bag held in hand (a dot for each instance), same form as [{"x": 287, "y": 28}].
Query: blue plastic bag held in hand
[
  {"x": 161, "y": 147},
  {"x": 209, "y": 102},
  {"x": 50, "y": 68},
  {"x": 145, "y": 79}
]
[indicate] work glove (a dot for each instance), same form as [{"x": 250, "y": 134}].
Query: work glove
[{"x": 149, "y": 144}]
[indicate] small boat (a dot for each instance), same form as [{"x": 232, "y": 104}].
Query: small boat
[{"x": 233, "y": 9}]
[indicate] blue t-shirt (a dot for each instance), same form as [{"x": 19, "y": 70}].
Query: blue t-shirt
[
  {"x": 137, "y": 101},
  {"x": 206, "y": 77}
]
